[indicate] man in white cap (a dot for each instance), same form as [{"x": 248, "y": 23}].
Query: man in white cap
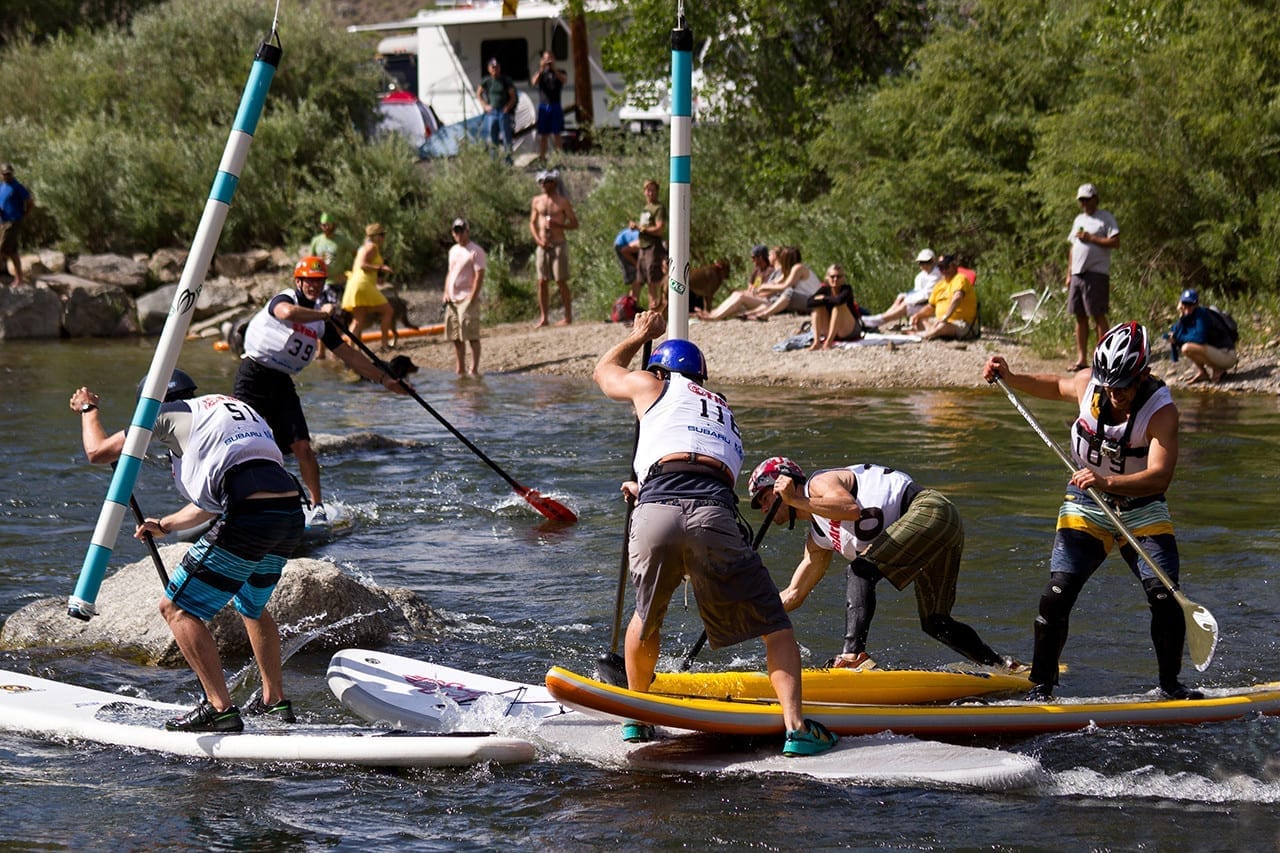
[
  {"x": 908, "y": 303},
  {"x": 1093, "y": 235},
  {"x": 15, "y": 203}
]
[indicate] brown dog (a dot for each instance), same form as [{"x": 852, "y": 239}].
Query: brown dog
[{"x": 705, "y": 281}]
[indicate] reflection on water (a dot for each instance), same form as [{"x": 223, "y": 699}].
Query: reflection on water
[{"x": 517, "y": 596}]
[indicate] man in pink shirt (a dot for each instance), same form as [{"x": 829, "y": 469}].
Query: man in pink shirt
[{"x": 462, "y": 295}]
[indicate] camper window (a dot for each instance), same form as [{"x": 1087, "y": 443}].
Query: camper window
[{"x": 512, "y": 55}]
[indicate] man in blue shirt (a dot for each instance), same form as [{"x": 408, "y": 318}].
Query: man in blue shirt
[
  {"x": 15, "y": 203},
  {"x": 627, "y": 247},
  {"x": 1199, "y": 337}
]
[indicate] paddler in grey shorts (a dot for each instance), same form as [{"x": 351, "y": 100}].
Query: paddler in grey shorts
[{"x": 685, "y": 524}]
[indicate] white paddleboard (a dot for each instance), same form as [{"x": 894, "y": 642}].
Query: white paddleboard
[
  {"x": 413, "y": 694},
  {"x": 401, "y": 691},
  {"x": 53, "y": 710}
]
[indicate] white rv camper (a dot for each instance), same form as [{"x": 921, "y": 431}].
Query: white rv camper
[{"x": 443, "y": 57}]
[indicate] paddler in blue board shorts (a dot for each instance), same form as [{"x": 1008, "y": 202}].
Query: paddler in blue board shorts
[
  {"x": 1125, "y": 440},
  {"x": 685, "y": 523},
  {"x": 226, "y": 463}
]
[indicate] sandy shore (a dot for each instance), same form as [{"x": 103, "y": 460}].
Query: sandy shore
[{"x": 741, "y": 352}]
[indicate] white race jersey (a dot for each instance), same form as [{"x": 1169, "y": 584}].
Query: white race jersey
[
  {"x": 274, "y": 343},
  {"x": 207, "y": 436},
  {"x": 1109, "y": 453},
  {"x": 879, "y": 499},
  {"x": 688, "y": 418}
]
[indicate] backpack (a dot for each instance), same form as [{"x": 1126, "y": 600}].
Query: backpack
[
  {"x": 1222, "y": 328},
  {"x": 624, "y": 309}
]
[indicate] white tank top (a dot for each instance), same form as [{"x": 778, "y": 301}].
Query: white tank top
[
  {"x": 687, "y": 418},
  {"x": 1108, "y": 454},
  {"x": 207, "y": 436},
  {"x": 273, "y": 343},
  {"x": 879, "y": 499}
]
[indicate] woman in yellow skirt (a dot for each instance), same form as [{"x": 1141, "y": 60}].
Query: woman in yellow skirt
[{"x": 361, "y": 296}]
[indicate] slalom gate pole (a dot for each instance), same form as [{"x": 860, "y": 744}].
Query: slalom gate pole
[
  {"x": 82, "y": 604},
  {"x": 679, "y": 193}
]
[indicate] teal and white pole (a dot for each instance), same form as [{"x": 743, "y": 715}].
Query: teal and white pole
[
  {"x": 82, "y": 602},
  {"x": 679, "y": 195}
]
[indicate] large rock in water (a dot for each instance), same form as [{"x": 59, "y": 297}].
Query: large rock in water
[{"x": 314, "y": 597}]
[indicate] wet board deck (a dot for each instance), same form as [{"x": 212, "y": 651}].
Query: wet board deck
[
  {"x": 760, "y": 716},
  {"x": 401, "y": 691},
  {"x": 408, "y": 693},
  {"x": 53, "y": 710}
]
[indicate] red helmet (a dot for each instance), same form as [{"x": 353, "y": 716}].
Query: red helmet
[
  {"x": 768, "y": 472},
  {"x": 311, "y": 267}
]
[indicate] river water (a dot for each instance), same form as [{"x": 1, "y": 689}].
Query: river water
[{"x": 517, "y": 596}]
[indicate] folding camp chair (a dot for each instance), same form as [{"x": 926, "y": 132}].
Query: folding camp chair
[{"x": 1028, "y": 308}]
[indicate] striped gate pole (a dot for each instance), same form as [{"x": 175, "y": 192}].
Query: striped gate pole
[
  {"x": 82, "y": 602},
  {"x": 679, "y": 194}
]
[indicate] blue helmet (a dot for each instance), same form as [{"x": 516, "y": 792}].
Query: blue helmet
[
  {"x": 181, "y": 386},
  {"x": 677, "y": 356}
]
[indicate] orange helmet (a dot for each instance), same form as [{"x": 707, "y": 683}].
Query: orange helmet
[{"x": 311, "y": 267}]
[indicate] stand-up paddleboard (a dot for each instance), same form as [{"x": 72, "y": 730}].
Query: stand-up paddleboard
[
  {"x": 400, "y": 691},
  {"x": 870, "y": 687},
  {"x": 54, "y": 710},
  {"x": 761, "y": 716},
  {"x": 376, "y": 334},
  {"x": 408, "y": 693}
]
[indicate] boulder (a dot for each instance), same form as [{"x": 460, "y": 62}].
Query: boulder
[
  {"x": 220, "y": 295},
  {"x": 29, "y": 312},
  {"x": 153, "y": 309},
  {"x": 128, "y": 273},
  {"x": 166, "y": 265},
  {"x": 91, "y": 309},
  {"x": 313, "y": 598},
  {"x": 242, "y": 264}
]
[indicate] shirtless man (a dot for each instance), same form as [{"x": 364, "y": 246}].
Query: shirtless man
[{"x": 550, "y": 215}]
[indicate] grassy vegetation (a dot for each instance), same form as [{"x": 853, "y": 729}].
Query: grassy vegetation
[{"x": 972, "y": 141}]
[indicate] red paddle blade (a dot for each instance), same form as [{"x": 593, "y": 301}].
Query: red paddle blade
[{"x": 549, "y": 507}]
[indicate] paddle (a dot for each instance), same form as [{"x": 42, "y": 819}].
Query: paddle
[
  {"x": 611, "y": 667},
  {"x": 1202, "y": 628},
  {"x": 147, "y": 538},
  {"x": 755, "y": 546},
  {"x": 549, "y": 507}
]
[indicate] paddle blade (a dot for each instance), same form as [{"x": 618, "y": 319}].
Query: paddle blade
[
  {"x": 549, "y": 507},
  {"x": 1202, "y": 634},
  {"x": 612, "y": 669}
]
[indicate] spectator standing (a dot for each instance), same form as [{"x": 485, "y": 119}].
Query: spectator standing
[
  {"x": 549, "y": 81},
  {"x": 467, "y": 262},
  {"x": 906, "y": 305},
  {"x": 498, "y": 95},
  {"x": 227, "y": 465},
  {"x": 16, "y": 202},
  {"x": 361, "y": 296},
  {"x": 1094, "y": 234},
  {"x": 550, "y": 215},
  {"x": 1200, "y": 337},
  {"x": 279, "y": 342},
  {"x": 653, "y": 249},
  {"x": 338, "y": 252}
]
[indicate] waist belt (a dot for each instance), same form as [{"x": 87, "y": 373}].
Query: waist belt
[
  {"x": 692, "y": 463},
  {"x": 1123, "y": 503}
]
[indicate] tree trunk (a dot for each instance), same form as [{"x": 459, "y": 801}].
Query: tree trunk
[{"x": 583, "y": 96}]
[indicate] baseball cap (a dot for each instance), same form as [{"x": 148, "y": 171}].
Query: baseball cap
[
  {"x": 6, "y": 169},
  {"x": 1086, "y": 191},
  {"x": 925, "y": 256},
  {"x": 1190, "y": 297},
  {"x": 759, "y": 250},
  {"x": 946, "y": 260},
  {"x": 325, "y": 219},
  {"x": 459, "y": 224}
]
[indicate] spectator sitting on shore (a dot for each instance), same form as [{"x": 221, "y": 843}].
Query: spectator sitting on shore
[
  {"x": 788, "y": 289},
  {"x": 907, "y": 305},
  {"x": 835, "y": 318}
]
